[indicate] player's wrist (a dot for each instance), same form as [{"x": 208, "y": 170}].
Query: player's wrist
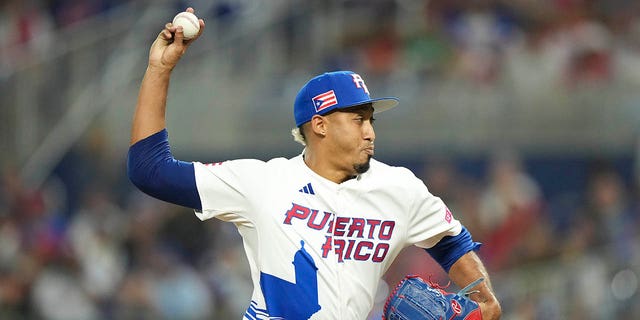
[
  {"x": 159, "y": 69},
  {"x": 490, "y": 310}
]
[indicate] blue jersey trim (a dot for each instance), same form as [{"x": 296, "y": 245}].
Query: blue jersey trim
[
  {"x": 450, "y": 248},
  {"x": 152, "y": 168}
]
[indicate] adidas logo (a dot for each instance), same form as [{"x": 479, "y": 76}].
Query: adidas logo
[{"x": 308, "y": 189}]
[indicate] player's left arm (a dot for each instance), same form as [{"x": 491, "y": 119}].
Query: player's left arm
[
  {"x": 467, "y": 269},
  {"x": 456, "y": 254}
]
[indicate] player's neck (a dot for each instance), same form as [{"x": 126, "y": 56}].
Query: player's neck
[{"x": 325, "y": 168}]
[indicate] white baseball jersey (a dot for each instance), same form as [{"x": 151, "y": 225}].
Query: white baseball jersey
[{"x": 318, "y": 249}]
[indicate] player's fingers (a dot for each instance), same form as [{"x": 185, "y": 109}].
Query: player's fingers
[
  {"x": 189, "y": 9},
  {"x": 179, "y": 35},
  {"x": 201, "y": 23},
  {"x": 169, "y": 26},
  {"x": 165, "y": 34}
]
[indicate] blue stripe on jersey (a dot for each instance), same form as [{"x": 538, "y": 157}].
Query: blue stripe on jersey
[
  {"x": 449, "y": 249},
  {"x": 250, "y": 314},
  {"x": 152, "y": 168},
  {"x": 254, "y": 313}
]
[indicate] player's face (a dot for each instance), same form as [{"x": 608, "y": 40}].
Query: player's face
[{"x": 350, "y": 136}]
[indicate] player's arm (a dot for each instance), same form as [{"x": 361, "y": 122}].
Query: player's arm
[
  {"x": 469, "y": 268},
  {"x": 456, "y": 254},
  {"x": 150, "y": 164},
  {"x": 165, "y": 52}
]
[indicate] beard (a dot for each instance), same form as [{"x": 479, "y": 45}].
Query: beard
[{"x": 361, "y": 168}]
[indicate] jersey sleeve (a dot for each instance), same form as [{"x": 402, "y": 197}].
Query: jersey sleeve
[
  {"x": 152, "y": 168},
  {"x": 224, "y": 189},
  {"x": 429, "y": 218}
]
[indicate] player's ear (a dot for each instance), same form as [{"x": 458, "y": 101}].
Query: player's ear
[{"x": 318, "y": 125}]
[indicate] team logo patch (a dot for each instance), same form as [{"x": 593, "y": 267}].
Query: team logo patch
[
  {"x": 325, "y": 100},
  {"x": 359, "y": 82},
  {"x": 448, "y": 215}
]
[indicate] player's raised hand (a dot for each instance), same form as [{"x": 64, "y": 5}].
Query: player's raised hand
[{"x": 170, "y": 45}]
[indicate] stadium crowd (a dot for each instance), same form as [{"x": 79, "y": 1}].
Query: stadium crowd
[
  {"x": 567, "y": 42},
  {"x": 87, "y": 245}
]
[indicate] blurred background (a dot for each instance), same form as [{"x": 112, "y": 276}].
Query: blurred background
[{"x": 522, "y": 115}]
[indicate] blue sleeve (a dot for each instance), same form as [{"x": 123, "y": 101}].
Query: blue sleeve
[
  {"x": 152, "y": 168},
  {"x": 450, "y": 248}
]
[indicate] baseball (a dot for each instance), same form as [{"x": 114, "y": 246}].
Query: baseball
[{"x": 189, "y": 23}]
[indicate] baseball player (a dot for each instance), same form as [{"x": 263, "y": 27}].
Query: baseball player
[{"x": 319, "y": 229}]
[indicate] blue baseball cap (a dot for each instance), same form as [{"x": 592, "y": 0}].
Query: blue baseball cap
[{"x": 335, "y": 90}]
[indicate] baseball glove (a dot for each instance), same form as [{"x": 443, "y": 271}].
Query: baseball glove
[{"x": 415, "y": 299}]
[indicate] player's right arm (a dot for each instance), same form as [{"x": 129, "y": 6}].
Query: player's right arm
[
  {"x": 150, "y": 164},
  {"x": 165, "y": 52}
]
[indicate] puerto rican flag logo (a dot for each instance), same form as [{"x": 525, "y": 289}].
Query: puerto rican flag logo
[{"x": 325, "y": 100}]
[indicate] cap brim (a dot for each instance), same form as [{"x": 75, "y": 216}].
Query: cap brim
[
  {"x": 384, "y": 104},
  {"x": 378, "y": 105}
]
